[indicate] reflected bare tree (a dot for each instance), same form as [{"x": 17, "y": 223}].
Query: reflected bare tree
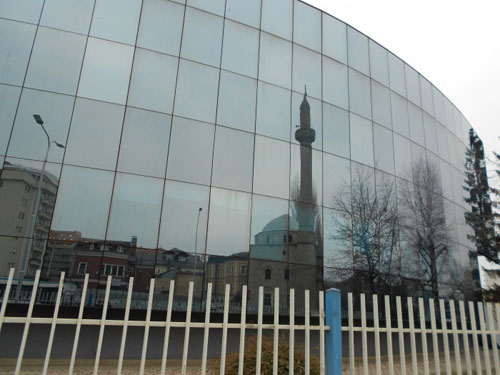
[
  {"x": 367, "y": 223},
  {"x": 424, "y": 228}
]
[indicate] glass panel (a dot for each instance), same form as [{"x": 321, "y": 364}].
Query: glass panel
[
  {"x": 270, "y": 223},
  {"x": 272, "y": 164},
  {"x": 95, "y": 134},
  {"x": 273, "y": 111},
  {"x": 412, "y": 85},
  {"x": 135, "y": 209},
  {"x": 384, "y": 150},
  {"x": 359, "y": 94},
  {"x": 56, "y": 61},
  {"x": 397, "y": 75},
  {"x": 306, "y": 71},
  {"x": 196, "y": 94},
  {"x": 16, "y": 40},
  {"x": 215, "y": 6},
  {"x": 307, "y": 26},
  {"x": 275, "y": 62},
  {"x": 202, "y": 37},
  {"x": 361, "y": 140},
  {"x": 417, "y": 153},
  {"x": 237, "y": 101},
  {"x": 148, "y": 133},
  {"x": 379, "y": 65},
  {"x": 400, "y": 115},
  {"x": 427, "y": 100},
  {"x": 445, "y": 169},
  {"x": 450, "y": 118},
  {"x": 416, "y": 124},
  {"x": 438, "y": 105},
  {"x": 153, "y": 81},
  {"x": 106, "y": 71},
  {"x": 334, "y": 38},
  {"x": 402, "y": 152},
  {"x": 247, "y": 12},
  {"x": 28, "y": 139},
  {"x": 83, "y": 201},
  {"x": 233, "y": 164},
  {"x": 9, "y": 97},
  {"x": 190, "y": 154},
  {"x": 120, "y": 26},
  {"x": 229, "y": 222},
  {"x": 430, "y": 133},
  {"x": 358, "y": 51},
  {"x": 306, "y": 174},
  {"x": 28, "y": 11},
  {"x": 442, "y": 142},
  {"x": 335, "y": 83},
  {"x": 69, "y": 15},
  {"x": 241, "y": 48},
  {"x": 336, "y": 131},
  {"x": 161, "y": 26},
  {"x": 337, "y": 179},
  {"x": 183, "y": 224},
  {"x": 277, "y": 16},
  {"x": 315, "y": 112},
  {"x": 381, "y": 105}
]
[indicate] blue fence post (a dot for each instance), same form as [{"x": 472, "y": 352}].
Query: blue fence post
[{"x": 333, "y": 339}]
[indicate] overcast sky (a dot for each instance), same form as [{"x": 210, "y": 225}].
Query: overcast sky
[{"x": 453, "y": 43}]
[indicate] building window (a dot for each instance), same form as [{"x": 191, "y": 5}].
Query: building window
[
  {"x": 267, "y": 274},
  {"x": 19, "y": 229},
  {"x": 82, "y": 268},
  {"x": 267, "y": 299},
  {"x": 120, "y": 249},
  {"x": 91, "y": 246},
  {"x": 112, "y": 270},
  {"x": 287, "y": 274},
  {"x": 243, "y": 269}
]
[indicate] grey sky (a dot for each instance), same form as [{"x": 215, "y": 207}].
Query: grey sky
[{"x": 453, "y": 43}]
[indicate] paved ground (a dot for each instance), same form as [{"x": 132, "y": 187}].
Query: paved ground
[{"x": 85, "y": 367}]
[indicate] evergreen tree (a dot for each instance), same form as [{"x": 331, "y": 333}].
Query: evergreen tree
[{"x": 481, "y": 217}]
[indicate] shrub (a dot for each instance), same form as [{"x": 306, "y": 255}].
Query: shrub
[{"x": 250, "y": 358}]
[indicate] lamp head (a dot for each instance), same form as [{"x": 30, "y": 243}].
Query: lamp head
[
  {"x": 38, "y": 119},
  {"x": 59, "y": 145}
]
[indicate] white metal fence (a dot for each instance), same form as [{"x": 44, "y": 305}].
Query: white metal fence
[{"x": 382, "y": 339}]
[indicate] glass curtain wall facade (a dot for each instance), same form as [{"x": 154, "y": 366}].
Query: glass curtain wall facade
[{"x": 223, "y": 141}]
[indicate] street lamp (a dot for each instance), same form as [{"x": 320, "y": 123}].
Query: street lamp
[
  {"x": 32, "y": 222},
  {"x": 196, "y": 243}
]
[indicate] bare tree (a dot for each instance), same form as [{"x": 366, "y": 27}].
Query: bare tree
[
  {"x": 424, "y": 228},
  {"x": 366, "y": 224}
]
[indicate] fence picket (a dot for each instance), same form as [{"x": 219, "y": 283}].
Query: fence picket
[
  {"x": 242, "y": 329},
  {"x": 364, "y": 338},
  {"x": 146, "y": 327},
  {"x": 125, "y": 326},
  {"x": 456, "y": 343},
  {"x": 6, "y": 297},
  {"x": 307, "y": 333},
  {"x": 291, "y": 359},
  {"x": 486, "y": 352},
  {"x": 187, "y": 329},
  {"x": 444, "y": 327},
  {"x": 423, "y": 335},
  {"x": 102, "y": 325},
  {"x": 168, "y": 320},
  {"x": 477, "y": 357},
  {"x": 492, "y": 329},
  {"x": 378, "y": 364},
  {"x": 389, "y": 334},
  {"x": 78, "y": 324},
  {"x": 276, "y": 330},
  {"x": 411, "y": 323},
  {"x": 259, "y": 331},
  {"x": 224, "y": 330},
  {"x": 53, "y": 325},
  {"x": 351, "y": 333},
  {"x": 321, "y": 333},
  {"x": 28, "y": 321},
  {"x": 435, "y": 343},
  {"x": 206, "y": 331},
  {"x": 402, "y": 356},
  {"x": 465, "y": 337}
]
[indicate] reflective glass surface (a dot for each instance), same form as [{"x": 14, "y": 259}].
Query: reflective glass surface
[
  {"x": 335, "y": 130},
  {"x": 438, "y": 105},
  {"x": 334, "y": 38},
  {"x": 384, "y": 150},
  {"x": 106, "y": 71},
  {"x": 412, "y": 85},
  {"x": 144, "y": 143},
  {"x": 275, "y": 60},
  {"x": 236, "y": 107},
  {"x": 430, "y": 133},
  {"x": 399, "y": 108},
  {"x": 16, "y": 40},
  {"x": 306, "y": 175},
  {"x": 358, "y": 51},
  {"x": 316, "y": 123},
  {"x": 9, "y": 97},
  {"x": 336, "y": 179},
  {"x": 202, "y": 37},
  {"x": 196, "y": 94},
  {"x": 307, "y": 26},
  {"x": 161, "y": 26},
  {"x": 306, "y": 71},
  {"x": 277, "y": 16},
  {"x": 381, "y": 104},
  {"x": 233, "y": 164},
  {"x": 426, "y": 92},
  {"x": 273, "y": 111},
  {"x": 240, "y": 48},
  {"x": 56, "y": 61},
  {"x": 69, "y": 15},
  {"x": 335, "y": 83},
  {"x": 247, "y": 12},
  {"x": 359, "y": 94},
  {"x": 215, "y": 6},
  {"x": 120, "y": 26},
  {"x": 402, "y": 156},
  {"x": 397, "y": 75},
  {"x": 27, "y": 11},
  {"x": 416, "y": 123},
  {"x": 190, "y": 154},
  {"x": 379, "y": 65},
  {"x": 361, "y": 140},
  {"x": 152, "y": 84},
  {"x": 96, "y": 126}
]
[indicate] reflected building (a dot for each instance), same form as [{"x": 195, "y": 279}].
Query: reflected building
[{"x": 192, "y": 152}]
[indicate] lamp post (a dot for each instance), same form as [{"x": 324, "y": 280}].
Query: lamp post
[
  {"x": 34, "y": 213},
  {"x": 196, "y": 244}
]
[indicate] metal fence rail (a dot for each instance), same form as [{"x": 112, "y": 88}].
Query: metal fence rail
[{"x": 440, "y": 338}]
